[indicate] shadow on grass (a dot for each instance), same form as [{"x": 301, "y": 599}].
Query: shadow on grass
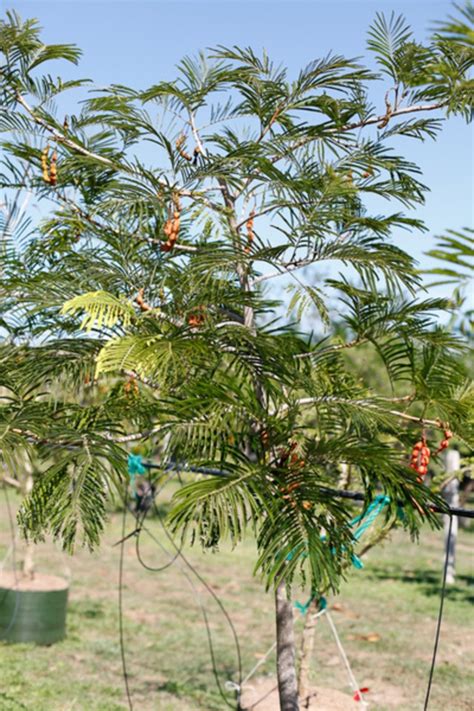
[
  {"x": 429, "y": 582},
  {"x": 191, "y": 690},
  {"x": 11, "y": 701}
]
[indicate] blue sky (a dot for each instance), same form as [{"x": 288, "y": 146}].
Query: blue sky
[{"x": 139, "y": 42}]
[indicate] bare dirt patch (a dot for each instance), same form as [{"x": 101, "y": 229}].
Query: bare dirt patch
[{"x": 262, "y": 695}]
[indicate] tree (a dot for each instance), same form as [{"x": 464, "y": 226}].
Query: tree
[{"x": 148, "y": 283}]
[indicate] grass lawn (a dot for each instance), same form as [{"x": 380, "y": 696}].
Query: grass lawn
[{"x": 385, "y": 615}]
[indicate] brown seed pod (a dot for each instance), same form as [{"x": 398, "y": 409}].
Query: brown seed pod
[
  {"x": 180, "y": 148},
  {"x": 175, "y": 226},
  {"x": 445, "y": 442},
  {"x": 186, "y": 156},
  {"x": 197, "y": 318},
  {"x": 44, "y": 164},
  {"x": 250, "y": 232},
  {"x": 53, "y": 170},
  {"x": 420, "y": 458},
  {"x": 131, "y": 387},
  {"x": 139, "y": 299}
]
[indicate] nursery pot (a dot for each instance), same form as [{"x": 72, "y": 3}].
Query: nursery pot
[{"x": 33, "y": 610}]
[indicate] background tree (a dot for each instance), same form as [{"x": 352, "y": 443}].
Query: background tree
[{"x": 169, "y": 216}]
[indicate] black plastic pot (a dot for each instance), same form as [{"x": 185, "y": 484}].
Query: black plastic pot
[{"x": 33, "y": 615}]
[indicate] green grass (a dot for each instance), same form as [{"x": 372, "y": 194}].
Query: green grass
[{"x": 395, "y": 596}]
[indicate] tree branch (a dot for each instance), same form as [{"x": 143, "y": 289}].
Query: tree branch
[
  {"x": 364, "y": 403},
  {"x": 362, "y": 124}
]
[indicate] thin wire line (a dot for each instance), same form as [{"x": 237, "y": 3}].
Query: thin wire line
[
  {"x": 179, "y": 554},
  {"x": 259, "y": 664},
  {"x": 338, "y": 493},
  {"x": 344, "y": 658},
  {"x": 140, "y": 526},
  {"x": 203, "y": 609},
  {"x": 120, "y": 607},
  {"x": 203, "y": 612},
  {"x": 440, "y": 616}
]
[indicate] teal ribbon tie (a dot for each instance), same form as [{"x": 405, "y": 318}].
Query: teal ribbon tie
[
  {"x": 303, "y": 607},
  {"x": 135, "y": 467},
  {"x": 367, "y": 518}
]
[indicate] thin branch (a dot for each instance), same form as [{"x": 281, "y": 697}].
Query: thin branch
[
  {"x": 364, "y": 403},
  {"x": 336, "y": 347},
  {"x": 285, "y": 268},
  {"x": 362, "y": 124},
  {"x": 11, "y": 482},
  {"x": 197, "y": 137}
]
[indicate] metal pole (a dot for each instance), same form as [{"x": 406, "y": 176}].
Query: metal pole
[{"x": 452, "y": 460}]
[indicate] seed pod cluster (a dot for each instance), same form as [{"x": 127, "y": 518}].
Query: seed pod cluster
[
  {"x": 180, "y": 148},
  {"x": 49, "y": 169},
  {"x": 171, "y": 228},
  {"x": 53, "y": 169},
  {"x": 445, "y": 442},
  {"x": 131, "y": 387},
  {"x": 44, "y": 164},
  {"x": 250, "y": 232},
  {"x": 291, "y": 460},
  {"x": 197, "y": 318},
  {"x": 139, "y": 299},
  {"x": 420, "y": 458}
]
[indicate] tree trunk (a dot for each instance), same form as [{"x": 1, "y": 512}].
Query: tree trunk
[
  {"x": 286, "y": 662},
  {"x": 307, "y": 646}
]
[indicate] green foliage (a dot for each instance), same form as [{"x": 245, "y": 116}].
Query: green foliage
[
  {"x": 455, "y": 253},
  {"x": 112, "y": 333},
  {"x": 102, "y": 309}
]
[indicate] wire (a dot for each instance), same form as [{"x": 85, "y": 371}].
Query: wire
[
  {"x": 120, "y": 606},
  {"x": 140, "y": 521},
  {"x": 343, "y": 655},
  {"x": 440, "y": 616},
  {"x": 216, "y": 598},
  {"x": 140, "y": 524},
  {"x": 339, "y": 493}
]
